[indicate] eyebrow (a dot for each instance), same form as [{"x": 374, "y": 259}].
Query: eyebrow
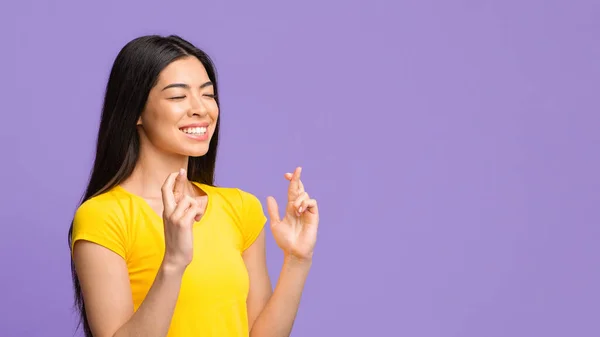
[{"x": 185, "y": 86}]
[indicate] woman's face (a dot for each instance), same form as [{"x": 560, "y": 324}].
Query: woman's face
[{"x": 181, "y": 112}]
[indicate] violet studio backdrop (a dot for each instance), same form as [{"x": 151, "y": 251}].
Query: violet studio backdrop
[{"x": 453, "y": 148}]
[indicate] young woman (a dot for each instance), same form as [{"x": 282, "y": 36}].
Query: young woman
[{"x": 157, "y": 249}]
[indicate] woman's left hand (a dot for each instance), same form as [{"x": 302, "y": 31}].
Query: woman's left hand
[{"x": 296, "y": 233}]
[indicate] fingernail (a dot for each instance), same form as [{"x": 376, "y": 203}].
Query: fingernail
[
  {"x": 300, "y": 210},
  {"x": 181, "y": 172}
]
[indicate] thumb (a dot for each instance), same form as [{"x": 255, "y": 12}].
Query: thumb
[{"x": 273, "y": 210}]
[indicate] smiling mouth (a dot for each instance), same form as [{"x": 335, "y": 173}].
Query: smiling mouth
[{"x": 195, "y": 131}]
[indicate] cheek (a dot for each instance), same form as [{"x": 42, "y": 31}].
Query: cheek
[
  {"x": 214, "y": 112},
  {"x": 161, "y": 118}
]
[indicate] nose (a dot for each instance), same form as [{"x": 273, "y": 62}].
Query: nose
[{"x": 197, "y": 107}]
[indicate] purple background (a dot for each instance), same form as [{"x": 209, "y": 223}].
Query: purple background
[{"x": 453, "y": 147}]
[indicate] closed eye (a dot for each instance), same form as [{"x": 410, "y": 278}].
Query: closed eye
[{"x": 182, "y": 97}]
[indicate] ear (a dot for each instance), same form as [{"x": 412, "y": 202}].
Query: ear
[{"x": 139, "y": 121}]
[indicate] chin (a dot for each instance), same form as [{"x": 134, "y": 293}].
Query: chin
[
  {"x": 198, "y": 152},
  {"x": 195, "y": 155}
]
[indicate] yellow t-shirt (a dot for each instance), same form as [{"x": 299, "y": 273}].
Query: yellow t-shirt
[{"x": 212, "y": 299}]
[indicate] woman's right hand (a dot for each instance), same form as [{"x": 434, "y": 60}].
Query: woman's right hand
[{"x": 180, "y": 212}]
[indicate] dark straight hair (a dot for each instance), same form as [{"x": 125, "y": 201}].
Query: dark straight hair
[{"x": 134, "y": 72}]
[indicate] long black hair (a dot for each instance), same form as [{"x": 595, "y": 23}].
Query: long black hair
[{"x": 135, "y": 71}]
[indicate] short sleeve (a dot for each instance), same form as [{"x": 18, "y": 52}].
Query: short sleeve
[
  {"x": 253, "y": 219},
  {"x": 100, "y": 222}
]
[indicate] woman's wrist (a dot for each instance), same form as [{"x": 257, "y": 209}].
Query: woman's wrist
[
  {"x": 169, "y": 269},
  {"x": 297, "y": 262}
]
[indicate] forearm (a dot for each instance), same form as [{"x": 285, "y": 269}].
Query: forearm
[
  {"x": 278, "y": 315},
  {"x": 153, "y": 317}
]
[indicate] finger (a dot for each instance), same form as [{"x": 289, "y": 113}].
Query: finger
[
  {"x": 289, "y": 176},
  {"x": 310, "y": 205},
  {"x": 179, "y": 188},
  {"x": 202, "y": 204},
  {"x": 182, "y": 207},
  {"x": 294, "y": 183},
  {"x": 301, "y": 198},
  {"x": 192, "y": 214},
  {"x": 202, "y": 200},
  {"x": 273, "y": 210},
  {"x": 167, "y": 193}
]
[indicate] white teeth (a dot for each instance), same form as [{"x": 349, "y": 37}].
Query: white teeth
[{"x": 195, "y": 131}]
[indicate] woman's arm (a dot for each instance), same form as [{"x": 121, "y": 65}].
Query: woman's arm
[
  {"x": 103, "y": 273},
  {"x": 272, "y": 314},
  {"x": 109, "y": 307}
]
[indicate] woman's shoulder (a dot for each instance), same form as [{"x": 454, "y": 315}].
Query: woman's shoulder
[
  {"x": 110, "y": 202},
  {"x": 103, "y": 219}
]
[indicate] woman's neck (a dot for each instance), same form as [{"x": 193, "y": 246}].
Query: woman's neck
[{"x": 151, "y": 170}]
